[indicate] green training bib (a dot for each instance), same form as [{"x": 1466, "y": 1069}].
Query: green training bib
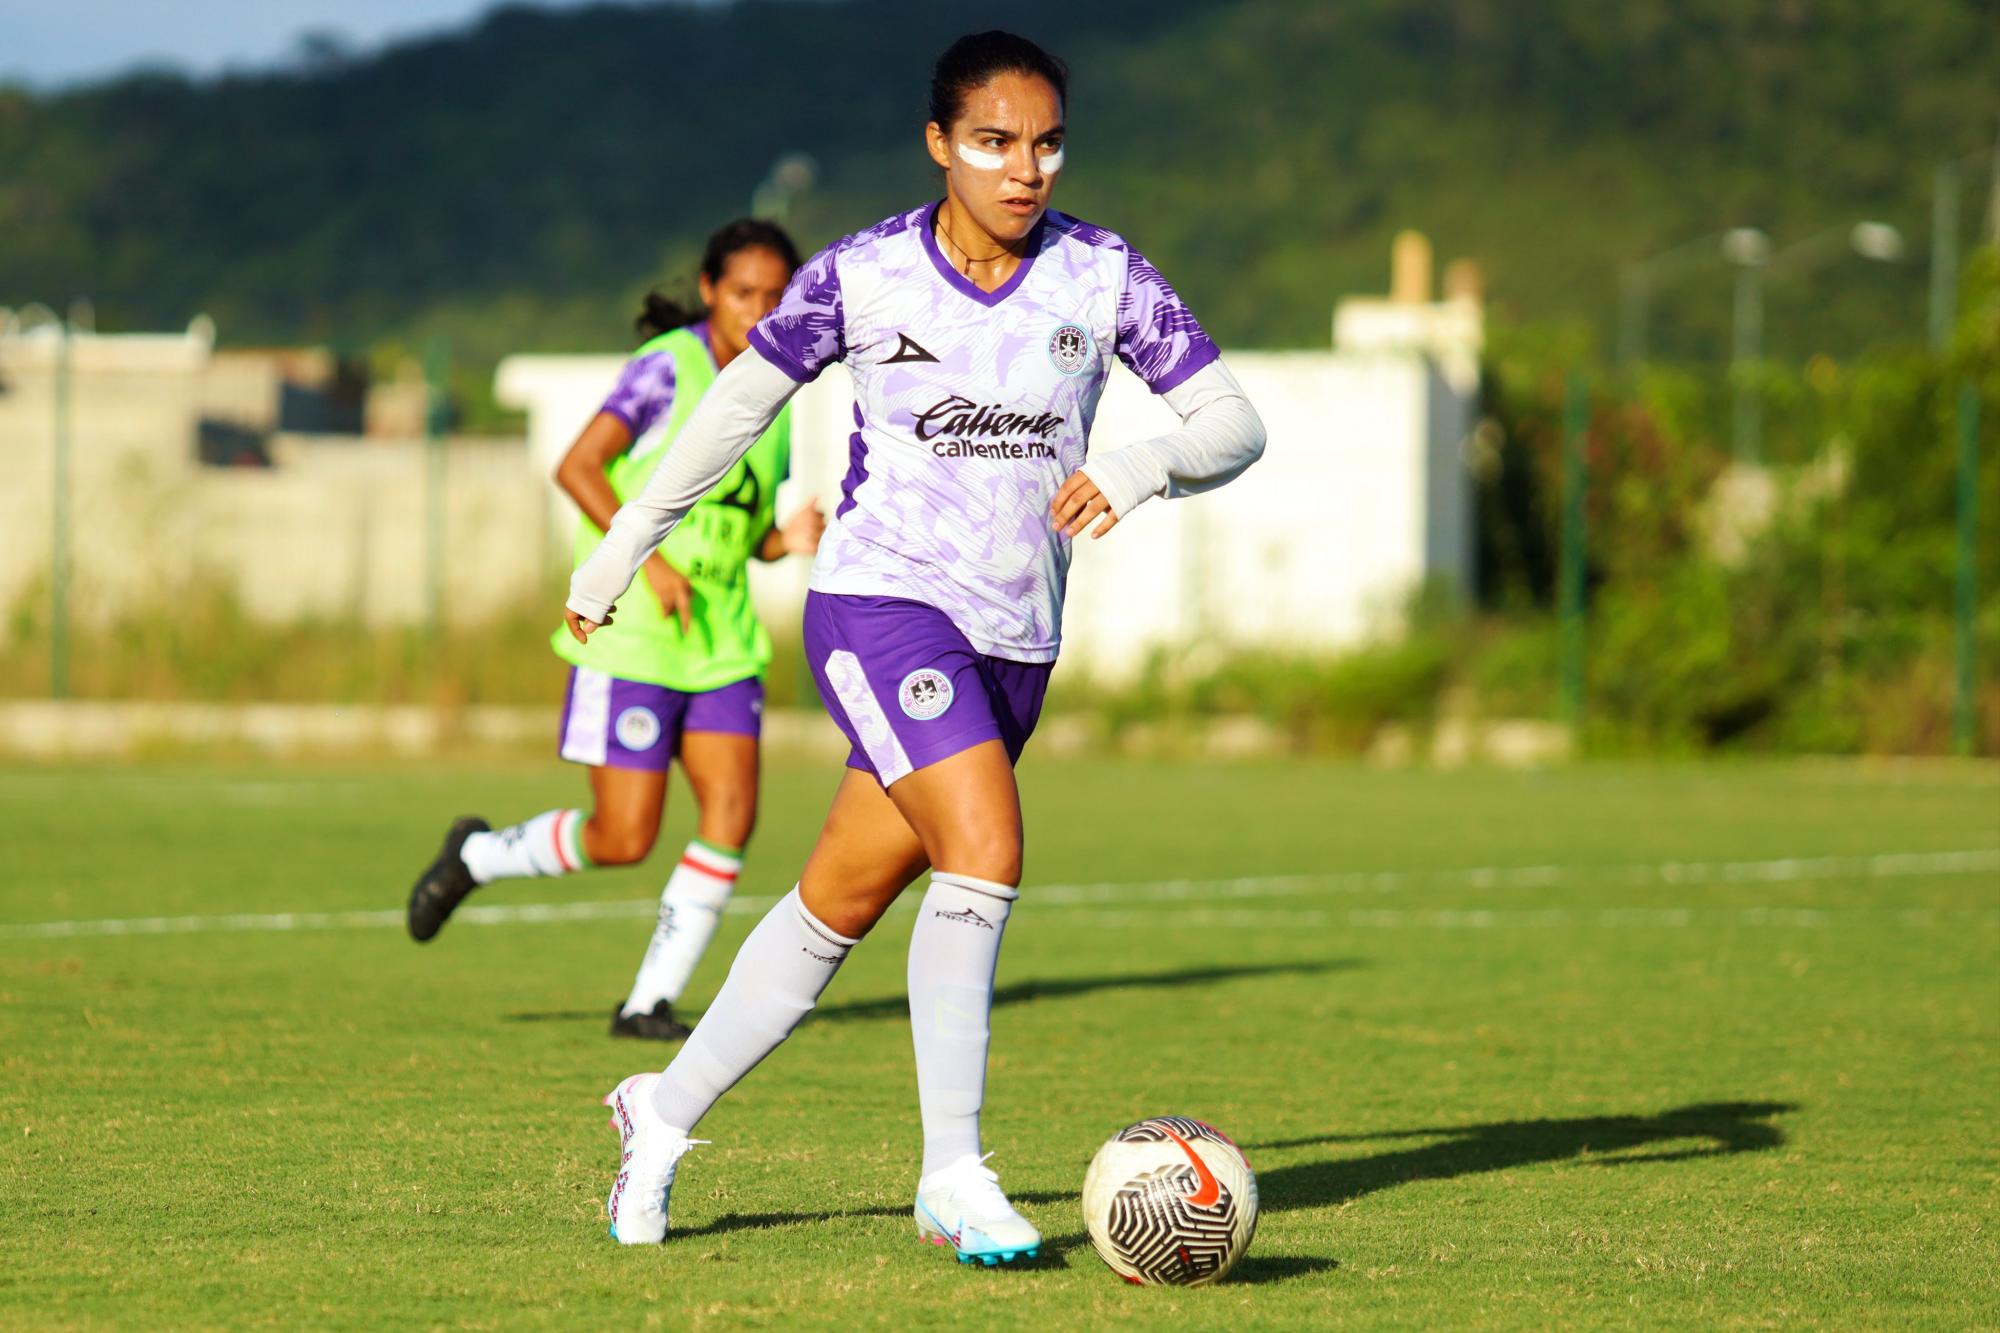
[{"x": 712, "y": 546}]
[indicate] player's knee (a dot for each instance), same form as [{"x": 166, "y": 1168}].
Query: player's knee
[
  {"x": 613, "y": 844},
  {"x": 853, "y": 920},
  {"x": 729, "y": 818},
  {"x": 990, "y": 852}
]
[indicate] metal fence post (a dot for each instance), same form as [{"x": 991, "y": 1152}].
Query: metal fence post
[
  {"x": 1570, "y": 575},
  {"x": 59, "y": 556},
  {"x": 1962, "y": 720},
  {"x": 437, "y": 370},
  {"x": 1944, "y": 252}
]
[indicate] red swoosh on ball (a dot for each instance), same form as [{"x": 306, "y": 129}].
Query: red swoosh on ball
[{"x": 1210, "y": 1189}]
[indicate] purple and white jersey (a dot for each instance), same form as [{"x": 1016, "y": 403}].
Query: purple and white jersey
[{"x": 971, "y": 408}]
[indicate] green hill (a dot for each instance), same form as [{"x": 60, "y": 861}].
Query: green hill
[{"x": 518, "y": 184}]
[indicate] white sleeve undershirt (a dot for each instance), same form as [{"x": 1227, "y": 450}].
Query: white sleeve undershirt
[
  {"x": 1220, "y": 436},
  {"x": 739, "y": 407}
]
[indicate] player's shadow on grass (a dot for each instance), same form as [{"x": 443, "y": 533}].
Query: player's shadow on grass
[
  {"x": 1059, "y": 988},
  {"x": 1056, "y": 1249},
  {"x": 1019, "y": 992},
  {"x": 1708, "y": 1129},
  {"x": 762, "y": 1221},
  {"x": 1053, "y": 1248}
]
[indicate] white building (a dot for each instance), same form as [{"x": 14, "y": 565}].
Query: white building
[{"x": 1362, "y": 494}]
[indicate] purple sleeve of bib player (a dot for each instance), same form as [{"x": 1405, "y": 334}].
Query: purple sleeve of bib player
[
  {"x": 644, "y": 392},
  {"x": 1158, "y": 338},
  {"x": 806, "y": 332}
]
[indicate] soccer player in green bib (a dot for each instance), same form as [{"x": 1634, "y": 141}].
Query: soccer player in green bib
[{"x": 681, "y": 673}]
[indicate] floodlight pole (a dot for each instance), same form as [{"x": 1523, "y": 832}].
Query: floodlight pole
[
  {"x": 1747, "y": 348},
  {"x": 1635, "y": 299},
  {"x": 790, "y": 176},
  {"x": 1750, "y": 250},
  {"x": 1635, "y": 294}
]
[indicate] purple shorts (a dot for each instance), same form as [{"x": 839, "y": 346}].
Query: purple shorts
[
  {"x": 613, "y": 723},
  {"x": 907, "y": 688}
]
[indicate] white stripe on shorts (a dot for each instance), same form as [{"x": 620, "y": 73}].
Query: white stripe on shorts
[
  {"x": 871, "y": 724},
  {"x": 588, "y": 733}
]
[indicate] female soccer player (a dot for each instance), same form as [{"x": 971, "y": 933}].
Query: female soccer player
[
  {"x": 979, "y": 331},
  {"x": 683, "y": 672}
]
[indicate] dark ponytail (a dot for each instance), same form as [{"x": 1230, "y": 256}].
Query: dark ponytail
[
  {"x": 973, "y": 59},
  {"x": 662, "y": 315}
]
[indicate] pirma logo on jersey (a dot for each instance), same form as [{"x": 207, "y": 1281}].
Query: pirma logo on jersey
[
  {"x": 638, "y": 728},
  {"x": 924, "y": 694},
  {"x": 1069, "y": 348}
]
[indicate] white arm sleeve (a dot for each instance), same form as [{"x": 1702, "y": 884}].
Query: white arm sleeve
[
  {"x": 1220, "y": 436},
  {"x": 740, "y": 406}
]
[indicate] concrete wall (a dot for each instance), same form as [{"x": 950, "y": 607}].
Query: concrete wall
[
  {"x": 1361, "y": 496},
  {"x": 337, "y": 527},
  {"x": 134, "y": 407}
]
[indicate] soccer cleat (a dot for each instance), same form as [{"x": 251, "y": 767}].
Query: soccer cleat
[
  {"x": 442, "y": 887},
  {"x": 961, "y": 1206},
  {"x": 658, "y": 1024},
  {"x": 650, "y": 1152}
]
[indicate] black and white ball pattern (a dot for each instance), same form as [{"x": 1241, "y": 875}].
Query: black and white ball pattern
[{"x": 1170, "y": 1201}]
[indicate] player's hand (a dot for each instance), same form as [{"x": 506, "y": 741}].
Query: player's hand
[
  {"x": 676, "y": 594},
  {"x": 580, "y": 629},
  {"x": 802, "y": 531},
  {"x": 1077, "y": 503}
]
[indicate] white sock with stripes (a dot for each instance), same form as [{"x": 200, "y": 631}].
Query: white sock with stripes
[
  {"x": 690, "y": 910},
  {"x": 549, "y": 844},
  {"x": 773, "y": 984},
  {"x": 954, "y": 951}
]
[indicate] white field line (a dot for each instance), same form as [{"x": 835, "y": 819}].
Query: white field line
[
  {"x": 1900, "y": 865},
  {"x": 1538, "y": 919}
]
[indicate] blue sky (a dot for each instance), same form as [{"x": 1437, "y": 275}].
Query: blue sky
[{"x": 48, "y": 43}]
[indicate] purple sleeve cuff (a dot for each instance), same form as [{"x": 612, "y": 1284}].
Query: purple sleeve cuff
[
  {"x": 624, "y": 417},
  {"x": 778, "y": 357},
  {"x": 1203, "y": 353}
]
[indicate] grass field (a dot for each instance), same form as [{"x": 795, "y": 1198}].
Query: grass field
[{"x": 1670, "y": 1073}]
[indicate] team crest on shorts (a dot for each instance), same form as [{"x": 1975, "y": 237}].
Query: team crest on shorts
[
  {"x": 924, "y": 694},
  {"x": 638, "y": 728},
  {"x": 1069, "y": 348}
]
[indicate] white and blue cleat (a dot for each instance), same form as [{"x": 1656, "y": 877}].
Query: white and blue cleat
[
  {"x": 650, "y": 1152},
  {"x": 982, "y": 1227}
]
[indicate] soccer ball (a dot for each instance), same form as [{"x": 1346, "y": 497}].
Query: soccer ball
[{"x": 1170, "y": 1201}]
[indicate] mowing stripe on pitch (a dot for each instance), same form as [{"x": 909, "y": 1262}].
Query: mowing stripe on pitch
[{"x": 1896, "y": 865}]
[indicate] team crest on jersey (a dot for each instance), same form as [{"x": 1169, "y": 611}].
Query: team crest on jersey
[
  {"x": 924, "y": 694},
  {"x": 1070, "y": 348},
  {"x": 638, "y": 728}
]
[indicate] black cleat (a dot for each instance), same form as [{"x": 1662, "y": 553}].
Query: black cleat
[
  {"x": 442, "y": 887},
  {"x": 659, "y": 1025}
]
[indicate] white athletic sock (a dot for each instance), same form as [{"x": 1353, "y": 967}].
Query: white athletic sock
[
  {"x": 773, "y": 984},
  {"x": 690, "y": 909},
  {"x": 549, "y": 844},
  {"x": 953, "y": 952}
]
